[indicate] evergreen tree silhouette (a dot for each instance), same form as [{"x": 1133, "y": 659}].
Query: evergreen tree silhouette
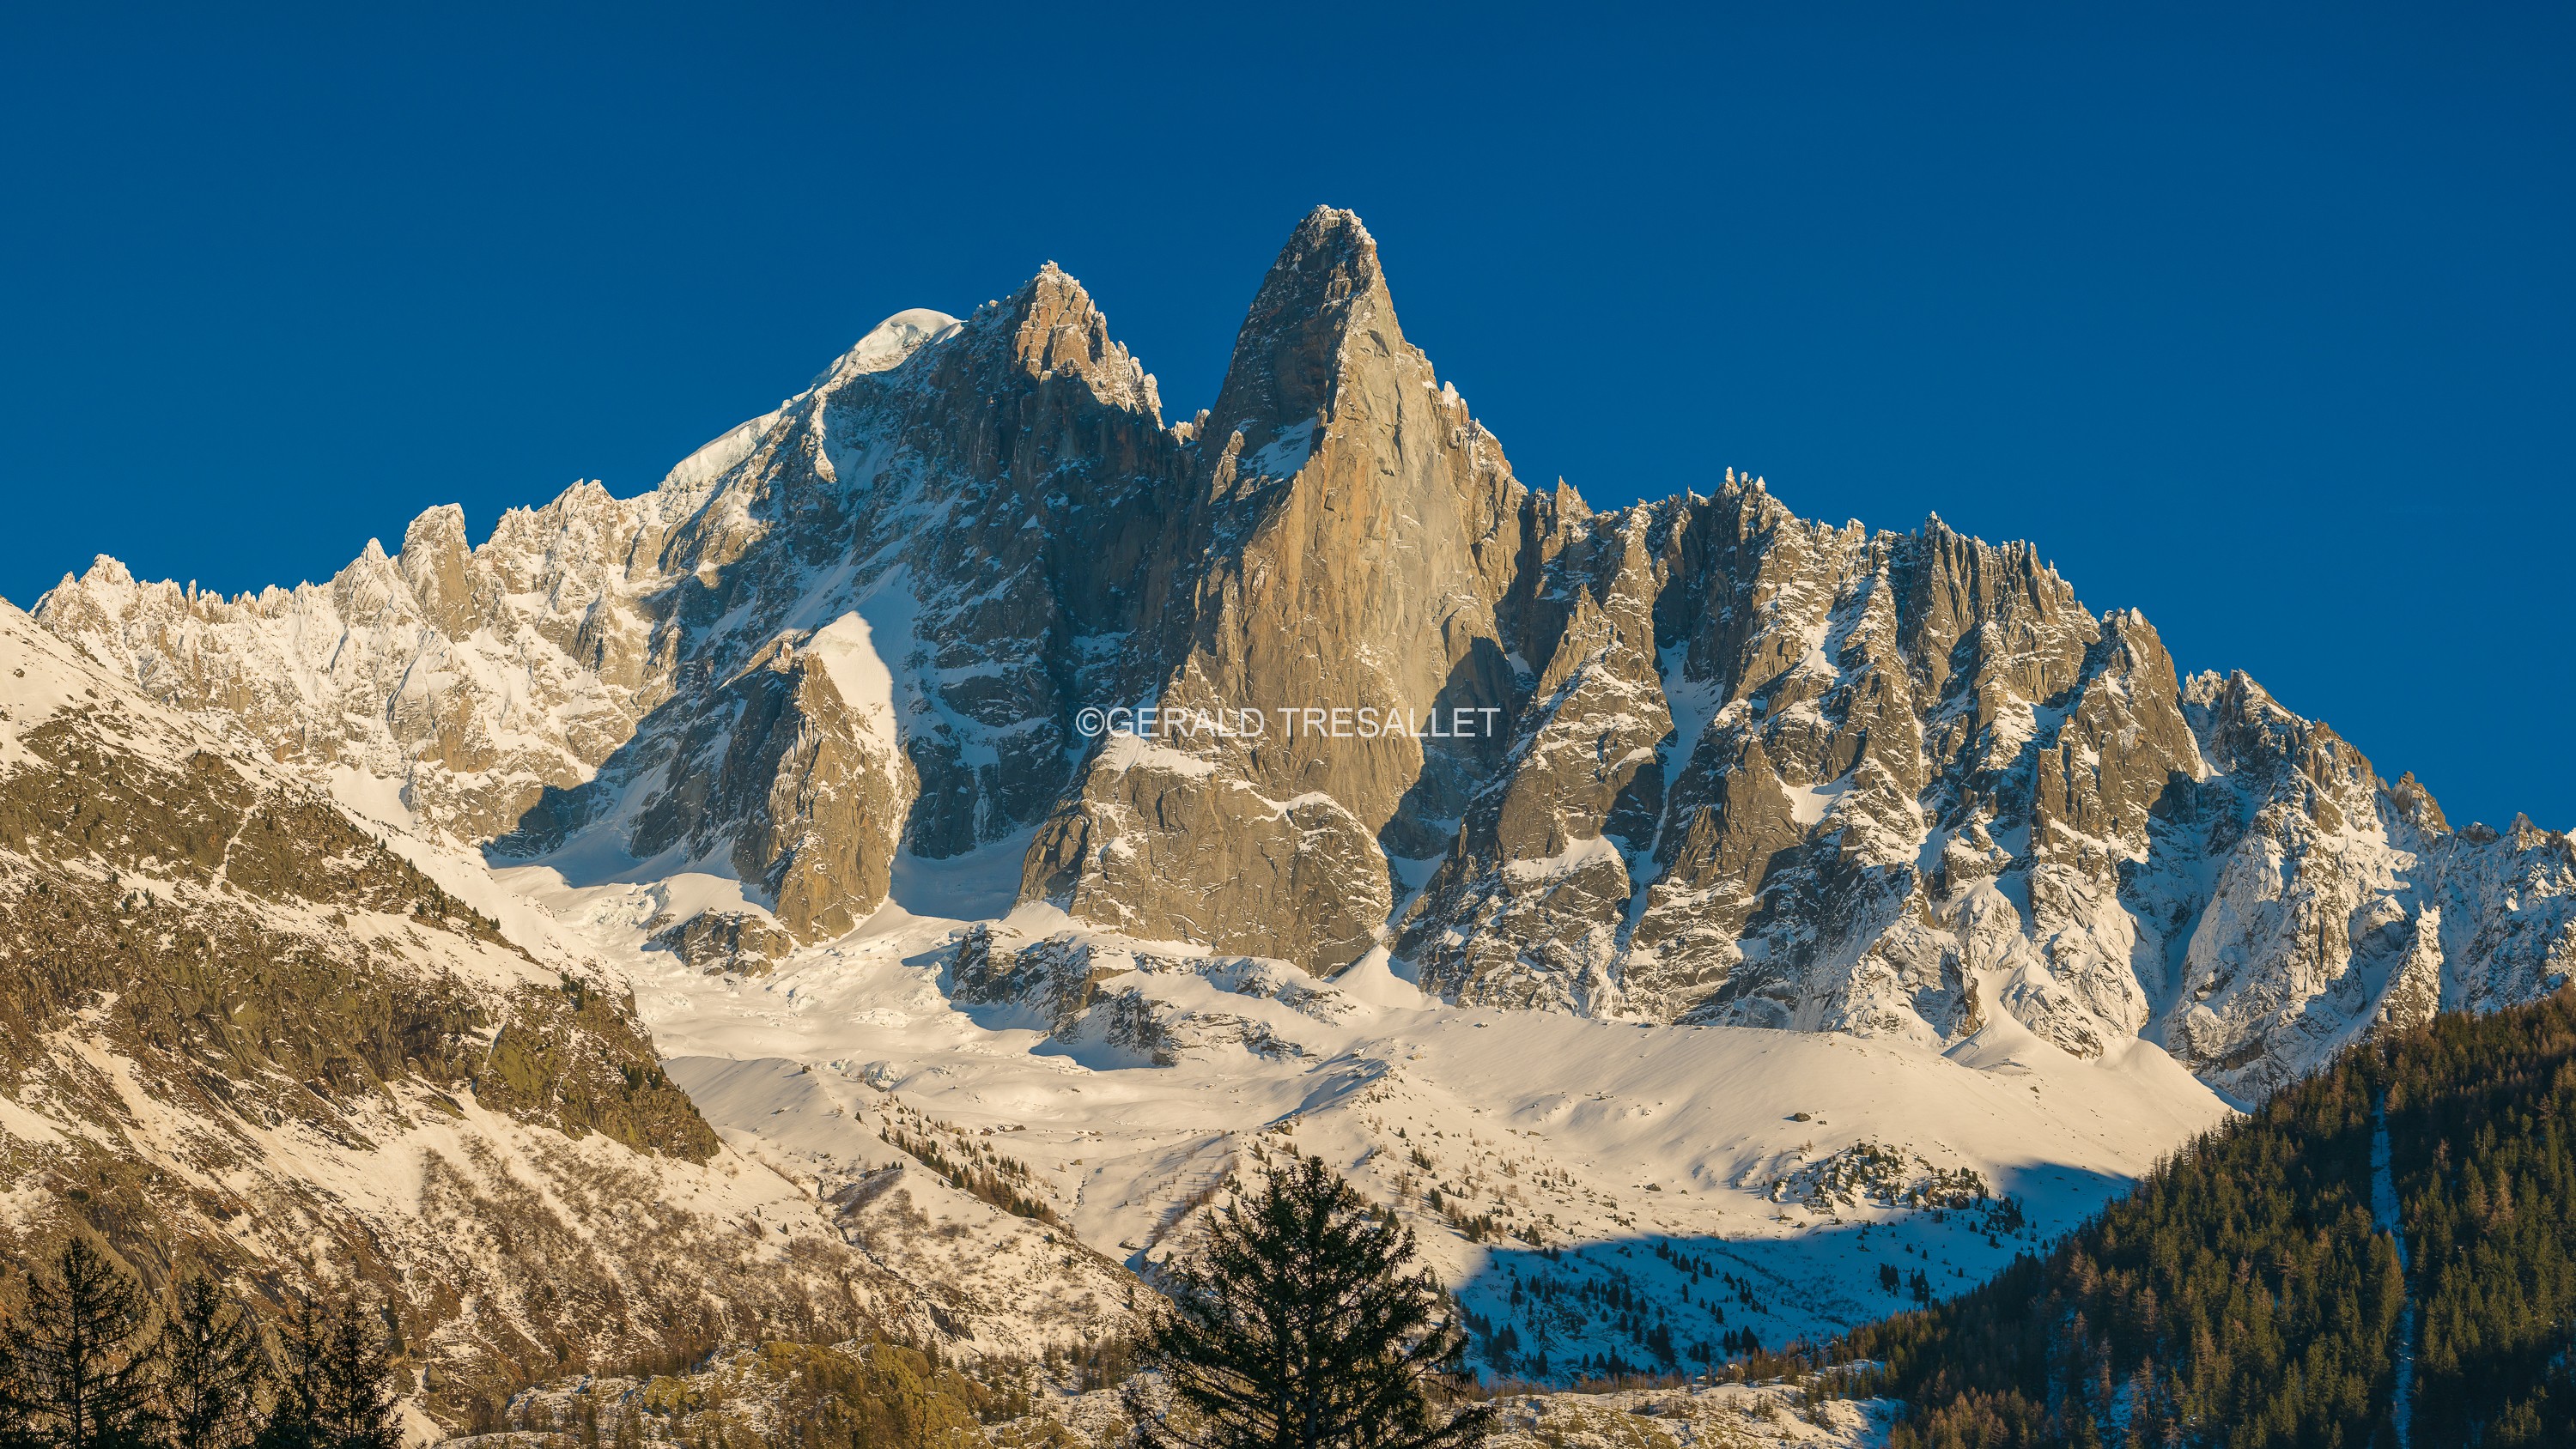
[
  {"x": 1299, "y": 1326},
  {"x": 334, "y": 1382},
  {"x": 80, "y": 1373},
  {"x": 215, "y": 1369},
  {"x": 17, "y": 1419}
]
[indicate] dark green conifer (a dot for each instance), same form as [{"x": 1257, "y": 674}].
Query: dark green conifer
[
  {"x": 80, "y": 1369},
  {"x": 17, "y": 1420},
  {"x": 334, "y": 1382},
  {"x": 1301, "y": 1325},
  {"x": 215, "y": 1369}
]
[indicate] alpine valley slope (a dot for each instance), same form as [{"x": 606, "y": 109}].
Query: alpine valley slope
[
  {"x": 243, "y": 1029},
  {"x": 794, "y": 741}
]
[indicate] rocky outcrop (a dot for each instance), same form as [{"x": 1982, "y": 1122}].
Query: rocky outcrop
[
  {"x": 743, "y": 942},
  {"x": 1350, "y": 532},
  {"x": 1148, "y": 1007}
]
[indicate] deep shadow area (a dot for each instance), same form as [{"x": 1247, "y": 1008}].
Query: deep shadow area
[{"x": 1656, "y": 1303}]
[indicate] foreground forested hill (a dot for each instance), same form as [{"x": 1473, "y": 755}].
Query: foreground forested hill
[{"x": 2249, "y": 1293}]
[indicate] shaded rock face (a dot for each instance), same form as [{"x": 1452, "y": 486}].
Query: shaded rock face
[
  {"x": 1697, "y": 759},
  {"x": 881, "y": 652}
]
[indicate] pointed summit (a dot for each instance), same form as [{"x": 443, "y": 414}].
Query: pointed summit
[
  {"x": 1047, "y": 327},
  {"x": 1325, "y": 287},
  {"x": 1352, "y": 531}
]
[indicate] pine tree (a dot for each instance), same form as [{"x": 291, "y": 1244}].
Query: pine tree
[
  {"x": 80, "y": 1375},
  {"x": 334, "y": 1384},
  {"x": 17, "y": 1422},
  {"x": 215, "y": 1369},
  {"x": 1299, "y": 1327}
]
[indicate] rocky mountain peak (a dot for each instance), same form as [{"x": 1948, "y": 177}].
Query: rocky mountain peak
[
  {"x": 104, "y": 572},
  {"x": 2417, "y": 805},
  {"x": 1051, "y": 327},
  {"x": 1567, "y": 503},
  {"x": 1288, "y": 355},
  {"x": 1352, "y": 533},
  {"x": 333, "y": 916},
  {"x": 437, "y": 561}
]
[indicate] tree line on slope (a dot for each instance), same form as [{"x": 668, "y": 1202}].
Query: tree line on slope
[
  {"x": 1303, "y": 1321},
  {"x": 92, "y": 1363},
  {"x": 2244, "y": 1293}
]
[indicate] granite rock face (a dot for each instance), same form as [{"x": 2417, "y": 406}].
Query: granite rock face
[
  {"x": 1348, "y": 534},
  {"x": 1697, "y": 759},
  {"x": 1889, "y": 783}
]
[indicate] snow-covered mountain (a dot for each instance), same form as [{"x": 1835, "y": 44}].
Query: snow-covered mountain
[
  {"x": 1723, "y": 764},
  {"x": 1746, "y": 905}
]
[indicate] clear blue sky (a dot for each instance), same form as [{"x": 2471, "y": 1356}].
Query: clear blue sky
[{"x": 2260, "y": 319}]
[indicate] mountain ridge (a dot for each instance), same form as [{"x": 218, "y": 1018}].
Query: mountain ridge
[{"x": 1750, "y": 768}]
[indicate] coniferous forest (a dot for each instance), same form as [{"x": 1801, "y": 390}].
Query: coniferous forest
[
  {"x": 90, "y": 1361},
  {"x": 2246, "y": 1293}
]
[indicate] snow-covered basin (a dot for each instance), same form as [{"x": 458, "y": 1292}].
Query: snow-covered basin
[{"x": 1616, "y": 1134}]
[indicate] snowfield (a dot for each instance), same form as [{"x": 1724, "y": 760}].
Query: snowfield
[{"x": 1728, "y": 1179}]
